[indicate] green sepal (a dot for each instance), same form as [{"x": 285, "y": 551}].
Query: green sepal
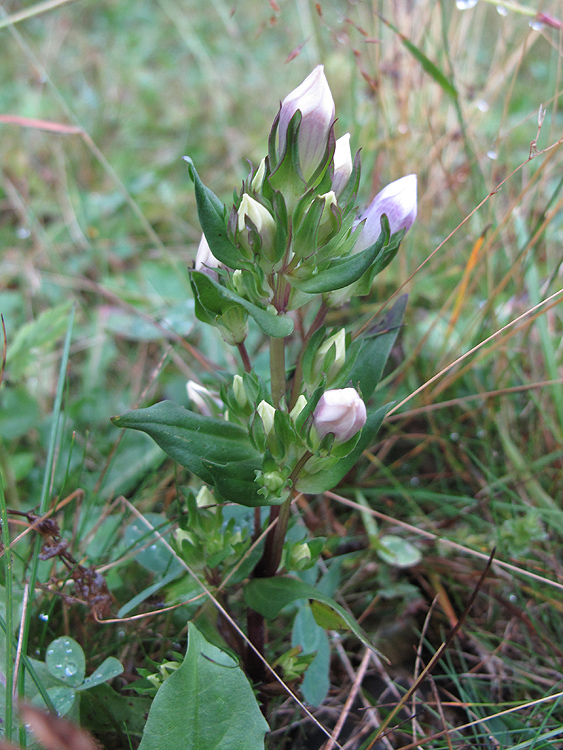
[
  {"x": 347, "y": 198},
  {"x": 382, "y": 261},
  {"x": 346, "y": 271},
  {"x": 282, "y": 223},
  {"x": 305, "y": 236},
  {"x": 212, "y": 217},
  {"x": 212, "y": 296},
  {"x": 286, "y": 175},
  {"x": 327, "y": 479},
  {"x": 310, "y": 353},
  {"x": 307, "y": 411},
  {"x": 376, "y": 347}
]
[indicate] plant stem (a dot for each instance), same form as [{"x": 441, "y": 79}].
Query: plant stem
[
  {"x": 298, "y": 374},
  {"x": 277, "y": 371},
  {"x": 245, "y": 358}
]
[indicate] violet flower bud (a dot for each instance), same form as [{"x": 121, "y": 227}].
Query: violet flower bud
[
  {"x": 314, "y": 100},
  {"x": 341, "y": 412},
  {"x": 205, "y": 261},
  {"x": 398, "y": 201},
  {"x": 342, "y": 164}
]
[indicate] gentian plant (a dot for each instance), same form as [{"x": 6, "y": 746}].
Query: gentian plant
[{"x": 290, "y": 248}]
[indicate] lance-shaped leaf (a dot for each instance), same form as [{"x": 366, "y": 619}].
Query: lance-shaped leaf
[
  {"x": 376, "y": 347},
  {"x": 328, "y": 478},
  {"x": 214, "y": 297},
  {"x": 346, "y": 271},
  {"x": 269, "y": 596},
  {"x": 189, "y": 438},
  {"x": 206, "y": 704},
  {"x": 211, "y": 214}
]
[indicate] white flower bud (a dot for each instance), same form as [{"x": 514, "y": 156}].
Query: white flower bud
[
  {"x": 239, "y": 391},
  {"x": 267, "y": 414},
  {"x": 314, "y": 100},
  {"x": 300, "y": 404},
  {"x": 338, "y": 340},
  {"x": 342, "y": 164},
  {"x": 206, "y": 402},
  {"x": 398, "y": 202},
  {"x": 258, "y": 178},
  {"x": 340, "y": 412},
  {"x": 205, "y": 261},
  {"x": 260, "y": 217}
]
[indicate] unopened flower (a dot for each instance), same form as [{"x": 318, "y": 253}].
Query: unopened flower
[
  {"x": 206, "y": 402},
  {"x": 314, "y": 100},
  {"x": 338, "y": 341},
  {"x": 342, "y": 164},
  {"x": 398, "y": 201},
  {"x": 239, "y": 390},
  {"x": 205, "y": 261},
  {"x": 300, "y": 404},
  {"x": 267, "y": 414},
  {"x": 261, "y": 218},
  {"x": 258, "y": 178},
  {"x": 340, "y": 412}
]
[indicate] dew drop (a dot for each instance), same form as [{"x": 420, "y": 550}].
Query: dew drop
[
  {"x": 415, "y": 481},
  {"x": 71, "y": 669},
  {"x": 465, "y": 4},
  {"x": 22, "y": 233},
  {"x": 536, "y": 25},
  {"x": 43, "y": 617},
  {"x": 454, "y": 436},
  {"x": 492, "y": 155},
  {"x": 501, "y": 10},
  {"x": 482, "y": 105}
]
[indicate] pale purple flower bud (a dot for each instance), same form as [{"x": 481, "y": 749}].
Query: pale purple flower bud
[
  {"x": 398, "y": 201},
  {"x": 314, "y": 100},
  {"x": 341, "y": 412},
  {"x": 205, "y": 261},
  {"x": 342, "y": 164}
]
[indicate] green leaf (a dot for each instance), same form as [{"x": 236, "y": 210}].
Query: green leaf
[
  {"x": 216, "y": 298},
  {"x": 376, "y": 347},
  {"x": 206, "y": 704},
  {"x": 107, "y": 670},
  {"x": 346, "y": 271},
  {"x": 398, "y": 552},
  {"x": 65, "y": 660},
  {"x": 313, "y": 640},
  {"x": 29, "y": 345},
  {"x": 328, "y": 478},
  {"x": 154, "y": 555},
  {"x": 62, "y": 699},
  {"x": 211, "y": 214},
  {"x": 269, "y": 596},
  {"x": 427, "y": 65},
  {"x": 190, "y": 438}
]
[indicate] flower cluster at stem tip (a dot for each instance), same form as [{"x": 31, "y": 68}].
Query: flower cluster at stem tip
[{"x": 294, "y": 236}]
